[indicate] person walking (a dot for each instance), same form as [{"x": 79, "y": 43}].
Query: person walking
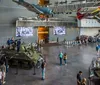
[
  {"x": 79, "y": 79},
  {"x": 65, "y": 58},
  {"x": 60, "y": 57},
  {"x": 43, "y": 65}
]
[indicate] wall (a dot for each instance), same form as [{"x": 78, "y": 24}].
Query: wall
[
  {"x": 71, "y": 34},
  {"x": 10, "y": 31},
  {"x": 89, "y": 31},
  {"x": 9, "y": 12}
]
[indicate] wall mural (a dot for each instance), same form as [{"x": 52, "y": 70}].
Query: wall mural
[
  {"x": 24, "y": 31},
  {"x": 59, "y": 30}
]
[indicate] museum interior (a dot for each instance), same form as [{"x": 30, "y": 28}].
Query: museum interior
[{"x": 48, "y": 42}]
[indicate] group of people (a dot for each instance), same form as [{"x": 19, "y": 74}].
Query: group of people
[
  {"x": 80, "y": 81},
  {"x": 12, "y": 43},
  {"x": 63, "y": 57}
]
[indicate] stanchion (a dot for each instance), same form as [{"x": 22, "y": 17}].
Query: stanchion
[
  {"x": 69, "y": 42},
  {"x": 34, "y": 70},
  {"x": 73, "y": 43},
  {"x": 77, "y": 42}
]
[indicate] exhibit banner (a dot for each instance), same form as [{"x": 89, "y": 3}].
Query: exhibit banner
[
  {"x": 24, "y": 31},
  {"x": 59, "y": 30}
]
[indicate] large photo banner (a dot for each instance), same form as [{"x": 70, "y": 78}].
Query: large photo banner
[
  {"x": 24, "y": 31},
  {"x": 59, "y": 30}
]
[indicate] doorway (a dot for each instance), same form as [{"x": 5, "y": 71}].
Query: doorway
[{"x": 43, "y": 34}]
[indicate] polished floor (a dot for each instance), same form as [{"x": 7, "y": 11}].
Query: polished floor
[{"x": 79, "y": 58}]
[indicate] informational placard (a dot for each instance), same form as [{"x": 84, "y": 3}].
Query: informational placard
[
  {"x": 59, "y": 30},
  {"x": 24, "y": 31}
]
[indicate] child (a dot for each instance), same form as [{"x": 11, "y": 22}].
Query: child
[
  {"x": 65, "y": 58},
  {"x": 84, "y": 81}
]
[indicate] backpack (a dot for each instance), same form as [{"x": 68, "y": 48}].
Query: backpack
[{"x": 43, "y": 65}]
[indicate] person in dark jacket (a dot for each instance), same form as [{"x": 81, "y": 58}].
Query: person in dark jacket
[
  {"x": 8, "y": 43},
  {"x": 12, "y": 40},
  {"x": 79, "y": 79},
  {"x": 18, "y": 45}
]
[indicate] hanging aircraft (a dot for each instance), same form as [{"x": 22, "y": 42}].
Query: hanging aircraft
[
  {"x": 89, "y": 13},
  {"x": 43, "y": 12}
]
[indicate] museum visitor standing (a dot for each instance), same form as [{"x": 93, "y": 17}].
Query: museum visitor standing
[
  {"x": 43, "y": 65},
  {"x": 18, "y": 45}
]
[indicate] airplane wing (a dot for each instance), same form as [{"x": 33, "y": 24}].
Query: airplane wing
[
  {"x": 28, "y": 6},
  {"x": 44, "y": 10},
  {"x": 37, "y": 8}
]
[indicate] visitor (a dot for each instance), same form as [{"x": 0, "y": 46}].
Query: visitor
[
  {"x": 60, "y": 57},
  {"x": 3, "y": 69},
  {"x": 8, "y": 43},
  {"x": 79, "y": 79},
  {"x": 18, "y": 45},
  {"x": 5, "y": 60},
  {"x": 0, "y": 77},
  {"x": 65, "y": 58},
  {"x": 43, "y": 65},
  {"x": 97, "y": 49},
  {"x": 12, "y": 43},
  {"x": 12, "y": 40}
]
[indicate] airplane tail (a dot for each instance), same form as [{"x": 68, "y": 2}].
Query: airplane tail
[
  {"x": 79, "y": 15},
  {"x": 18, "y": 1},
  {"x": 96, "y": 11}
]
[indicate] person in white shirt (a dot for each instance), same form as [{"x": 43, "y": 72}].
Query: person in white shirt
[
  {"x": 3, "y": 69},
  {"x": 0, "y": 76}
]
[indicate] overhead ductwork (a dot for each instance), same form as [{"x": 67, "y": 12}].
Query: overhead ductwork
[{"x": 73, "y": 6}]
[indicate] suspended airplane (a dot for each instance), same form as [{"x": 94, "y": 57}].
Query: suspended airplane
[
  {"x": 88, "y": 13},
  {"x": 43, "y": 12}
]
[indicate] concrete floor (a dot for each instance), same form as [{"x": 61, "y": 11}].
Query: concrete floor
[{"x": 79, "y": 58}]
